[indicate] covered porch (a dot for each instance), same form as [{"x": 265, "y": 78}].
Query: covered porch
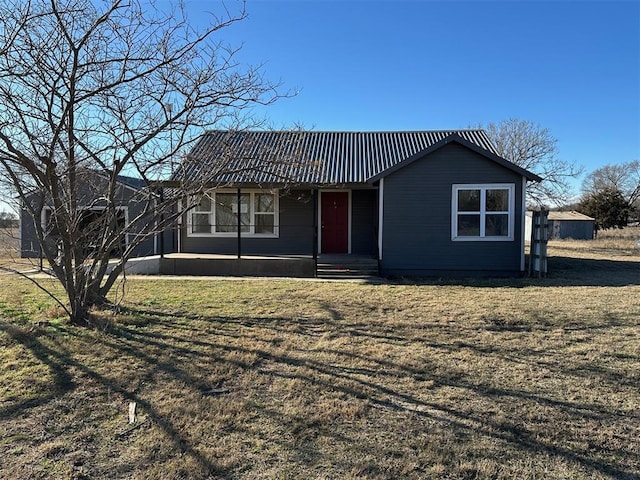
[
  {"x": 281, "y": 223},
  {"x": 297, "y": 266}
]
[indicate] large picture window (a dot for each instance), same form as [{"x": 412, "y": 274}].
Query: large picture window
[
  {"x": 217, "y": 214},
  {"x": 483, "y": 212}
]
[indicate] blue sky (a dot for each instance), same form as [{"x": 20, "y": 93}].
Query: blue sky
[{"x": 570, "y": 66}]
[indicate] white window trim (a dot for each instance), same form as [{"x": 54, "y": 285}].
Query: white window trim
[
  {"x": 523, "y": 215},
  {"x": 483, "y": 187},
  {"x": 252, "y": 213}
]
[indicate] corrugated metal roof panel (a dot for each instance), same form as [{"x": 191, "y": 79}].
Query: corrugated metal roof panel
[
  {"x": 307, "y": 156},
  {"x": 568, "y": 216}
]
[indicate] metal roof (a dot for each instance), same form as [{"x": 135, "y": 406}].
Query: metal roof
[
  {"x": 311, "y": 157},
  {"x": 568, "y": 216},
  {"x": 571, "y": 215},
  {"x": 133, "y": 182}
]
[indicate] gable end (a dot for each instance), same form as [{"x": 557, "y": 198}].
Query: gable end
[{"x": 455, "y": 138}]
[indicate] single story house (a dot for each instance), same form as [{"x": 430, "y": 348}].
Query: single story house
[
  {"x": 421, "y": 203},
  {"x": 130, "y": 201},
  {"x": 566, "y": 225}
]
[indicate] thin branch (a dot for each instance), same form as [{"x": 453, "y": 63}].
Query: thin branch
[{"x": 37, "y": 284}]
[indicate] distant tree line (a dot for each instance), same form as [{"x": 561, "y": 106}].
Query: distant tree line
[{"x": 8, "y": 220}]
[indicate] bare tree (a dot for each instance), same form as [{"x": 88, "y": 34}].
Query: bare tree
[
  {"x": 622, "y": 177},
  {"x": 534, "y": 148},
  {"x": 91, "y": 91}
]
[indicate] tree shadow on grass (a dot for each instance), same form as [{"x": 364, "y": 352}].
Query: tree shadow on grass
[
  {"x": 60, "y": 362},
  {"x": 374, "y": 384},
  {"x": 56, "y": 361},
  {"x": 561, "y": 272},
  {"x": 179, "y": 347},
  {"x": 572, "y": 271}
]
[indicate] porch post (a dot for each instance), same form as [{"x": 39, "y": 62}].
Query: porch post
[
  {"x": 162, "y": 227},
  {"x": 179, "y": 221},
  {"x": 523, "y": 220},
  {"x": 239, "y": 223},
  {"x": 314, "y": 194},
  {"x": 155, "y": 222},
  {"x": 380, "y": 217}
]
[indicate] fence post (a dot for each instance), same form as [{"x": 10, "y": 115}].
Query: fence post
[{"x": 538, "y": 247}]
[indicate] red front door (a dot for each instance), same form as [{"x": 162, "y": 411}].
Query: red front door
[{"x": 334, "y": 214}]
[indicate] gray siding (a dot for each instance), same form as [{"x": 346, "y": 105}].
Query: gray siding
[
  {"x": 295, "y": 238},
  {"x": 125, "y": 196},
  {"x": 417, "y": 217},
  {"x": 296, "y": 229},
  {"x": 576, "y": 229},
  {"x": 364, "y": 222},
  {"x": 135, "y": 207}
]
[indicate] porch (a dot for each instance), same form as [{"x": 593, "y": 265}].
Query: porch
[{"x": 301, "y": 266}]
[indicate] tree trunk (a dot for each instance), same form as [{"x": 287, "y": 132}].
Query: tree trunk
[
  {"x": 82, "y": 301},
  {"x": 80, "y": 313}
]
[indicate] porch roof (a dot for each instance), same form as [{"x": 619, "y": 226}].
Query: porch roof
[{"x": 316, "y": 158}]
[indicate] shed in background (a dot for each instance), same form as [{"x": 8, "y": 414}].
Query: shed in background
[{"x": 566, "y": 225}]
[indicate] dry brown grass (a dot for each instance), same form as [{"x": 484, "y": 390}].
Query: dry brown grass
[
  {"x": 8, "y": 244},
  {"x": 9, "y": 252},
  {"x": 612, "y": 259},
  {"x": 276, "y": 379},
  {"x": 610, "y": 244}
]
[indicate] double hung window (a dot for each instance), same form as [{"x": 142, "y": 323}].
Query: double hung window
[
  {"x": 483, "y": 212},
  {"x": 216, "y": 214}
]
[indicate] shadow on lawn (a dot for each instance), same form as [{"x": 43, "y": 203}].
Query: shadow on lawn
[
  {"x": 170, "y": 345},
  {"x": 562, "y": 272},
  {"x": 364, "y": 383},
  {"x": 55, "y": 360},
  {"x": 571, "y": 271},
  {"x": 60, "y": 362}
]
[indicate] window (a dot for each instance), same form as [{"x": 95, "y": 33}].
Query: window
[
  {"x": 226, "y": 213},
  {"x": 217, "y": 214},
  {"x": 200, "y": 217},
  {"x": 90, "y": 225},
  {"x": 483, "y": 212},
  {"x": 48, "y": 227},
  {"x": 88, "y": 220}
]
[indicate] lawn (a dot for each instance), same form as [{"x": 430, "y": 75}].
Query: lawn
[{"x": 284, "y": 379}]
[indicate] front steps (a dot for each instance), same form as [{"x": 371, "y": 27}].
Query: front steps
[{"x": 346, "y": 267}]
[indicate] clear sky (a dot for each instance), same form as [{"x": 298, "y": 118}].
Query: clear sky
[{"x": 570, "y": 66}]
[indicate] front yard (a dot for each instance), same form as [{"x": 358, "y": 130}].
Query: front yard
[{"x": 283, "y": 379}]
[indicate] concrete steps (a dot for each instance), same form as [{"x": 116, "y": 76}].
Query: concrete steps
[{"x": 347, "y": 267}]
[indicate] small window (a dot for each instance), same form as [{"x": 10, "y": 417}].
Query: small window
[
  {"x": 90, "y": 227},
  {"x": 216, "y": 214},
  {"x": 483, "y": 212},
  {"x": 201, "y": 216},
  {"x": 264, "y": 213}
]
